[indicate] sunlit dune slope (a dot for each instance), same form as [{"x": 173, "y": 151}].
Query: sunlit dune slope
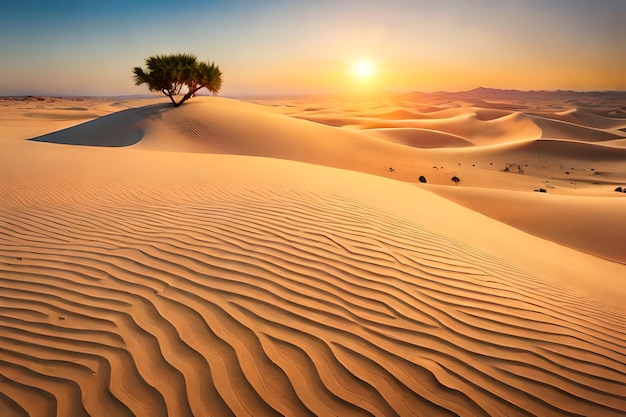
[
  {"x": 548, "y": 152},
  {"x": 591, "y": 224},
  {"x": 420, "y": 138},
  {"x": 557, "y": 129},
  {"x": 152, "y": 283},
  {"x": 586, "y": 118},
  {"x": 213, "y": 125}
]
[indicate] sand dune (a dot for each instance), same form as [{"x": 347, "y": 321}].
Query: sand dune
[
  {"x": 420, "y": 138},
  {"x": 551, "y": 151},
  {"x": 207, "y": 126},
  {"x": 24, "y": 118},
  {"x": 556, "y": 129},
  {"x": 145, "y": 272},
  {"x": 431, "y": 113},
  {"x": 511, "y": 127},
  {"x": 589, "y": 119},
  {"x": 592, "y": 224}
]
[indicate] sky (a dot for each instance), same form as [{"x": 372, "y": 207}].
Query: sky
[{"x": 275, "y": 47}]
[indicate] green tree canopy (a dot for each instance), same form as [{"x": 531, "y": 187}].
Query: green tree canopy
[{"x": 170, "y": 73}]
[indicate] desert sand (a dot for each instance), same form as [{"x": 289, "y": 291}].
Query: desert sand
[{"x": 280, "y": 256}]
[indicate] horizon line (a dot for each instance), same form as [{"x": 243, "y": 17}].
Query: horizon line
[{"x": 304, "y": 94}]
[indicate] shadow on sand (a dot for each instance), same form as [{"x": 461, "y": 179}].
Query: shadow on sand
[{"x": 124, "y": 128}]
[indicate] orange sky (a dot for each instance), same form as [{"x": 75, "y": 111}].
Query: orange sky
[{"x": 309, "y": 46}]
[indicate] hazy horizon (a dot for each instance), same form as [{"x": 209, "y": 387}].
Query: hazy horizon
[
  {"x": 281, "y": 47},
  {"x": 303, "y": 95}
]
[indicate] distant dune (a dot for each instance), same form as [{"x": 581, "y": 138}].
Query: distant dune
[{"x": 284, "y": 258}]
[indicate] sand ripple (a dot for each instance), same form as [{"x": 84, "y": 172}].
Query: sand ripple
[{"x": 272, "y": 301}]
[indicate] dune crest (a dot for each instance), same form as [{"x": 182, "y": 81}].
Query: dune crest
[{"x": 420, "y": 138}]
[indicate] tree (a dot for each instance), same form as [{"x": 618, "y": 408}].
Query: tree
[
  {"x": 170, "y": 73},
  {"x": 455, "y": 179}
]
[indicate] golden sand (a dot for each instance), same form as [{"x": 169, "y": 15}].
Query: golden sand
[{"x": 282, "y": 258}]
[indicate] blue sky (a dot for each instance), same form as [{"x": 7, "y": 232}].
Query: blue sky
[{"x": 296, "y": 46}]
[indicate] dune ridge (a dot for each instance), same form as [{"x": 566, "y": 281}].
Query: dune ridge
[
  {"x": 466, "y": 124},
  {"x": 557, "y": 129},
  {"x": 420, "y": 138}
]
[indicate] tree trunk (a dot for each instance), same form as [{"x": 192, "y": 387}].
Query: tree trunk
[
  {"x": 169, "y": 94},
  {"x": 187, "y": 96}
]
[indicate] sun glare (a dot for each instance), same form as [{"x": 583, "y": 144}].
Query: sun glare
[{"x": 363, "y": 69}]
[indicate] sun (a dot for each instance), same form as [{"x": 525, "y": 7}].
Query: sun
[{"x": 363, "y": 69}]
